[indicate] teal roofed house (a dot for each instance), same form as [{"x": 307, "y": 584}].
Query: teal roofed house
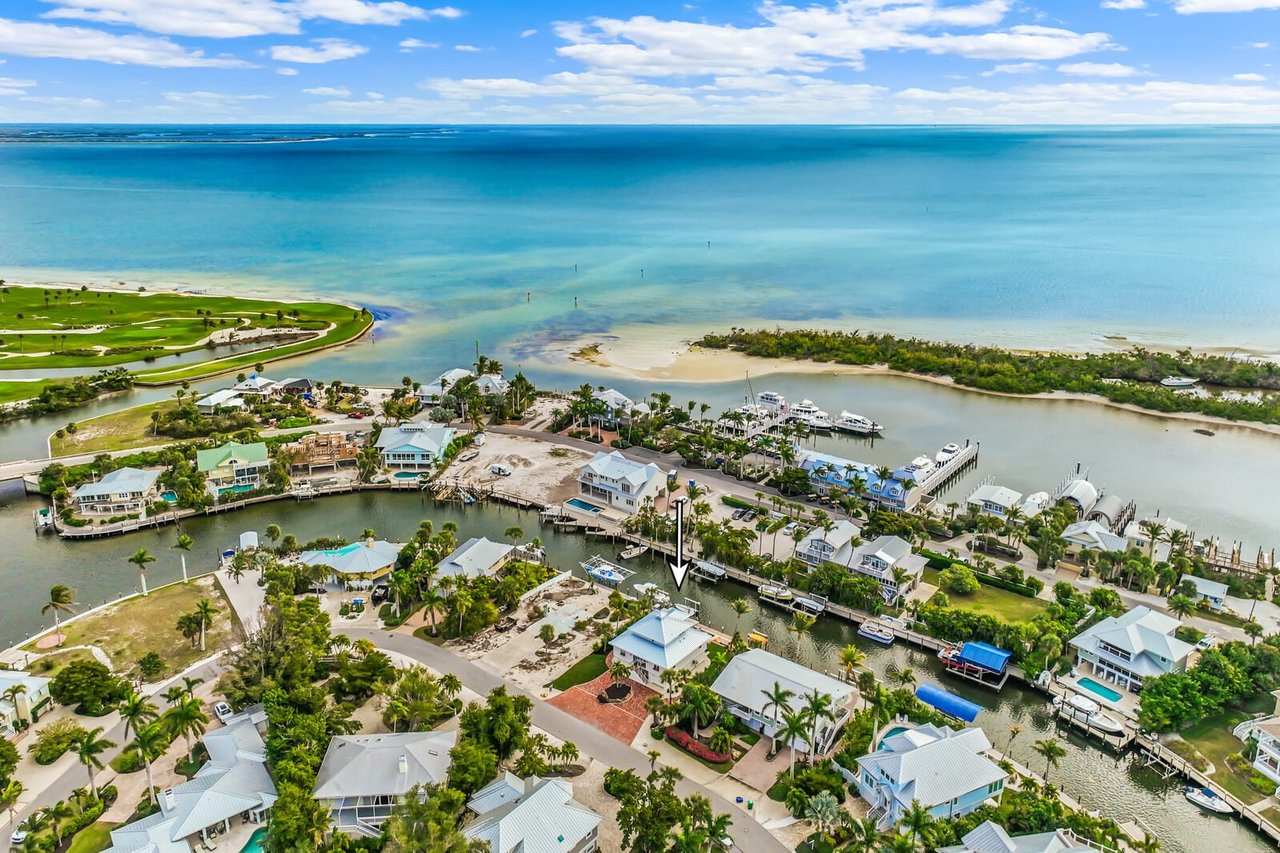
[
  {"x": 123, "y": 490},
  {"x": 358, "y": 565},
  {"x": 414, "y": 446},
  {"x": 234, "y": 465}
]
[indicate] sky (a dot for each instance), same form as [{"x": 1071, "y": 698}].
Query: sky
[{"x": 652, "y": 61}]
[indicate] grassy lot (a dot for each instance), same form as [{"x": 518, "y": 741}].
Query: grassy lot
[
  {"x": 11, "y": 391},
  {"x": 1221, "y": 618},
  {"x": 120, "y": 430},
  {"x": 1212, "y": 738},
  {"x": 1000, "y": 603},
  {"x": 581, "y": 672},
  {"x": 128, "y": 630},
  {"x": 93, "y": 329},
  {"x": 1272, "y": 814},
  {"x": 93, "y": 838},
  {"x": 49, "y": 665}
]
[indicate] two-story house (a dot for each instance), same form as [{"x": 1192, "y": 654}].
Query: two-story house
[
  {"x": 123, "y": 491},
  {"x": 612, "y": 480},
  {"x": 821, "y": 546},
  {"x": 515, "y": 815},
  {"x": 1137, "y": 645},
  {"x": 994, "y": 500},
  {"x": 414, "y": 446},
  {"x": 890, "y": 561},
  {"x": 944, "y": 770},
  {"x": 363, "y": 777},
  {"x": 30, "y": 696},
  {"x": 234, "y": 466},
  {"x": 988, "y": 837},
  {"x": 667, "y": 638},
  {"x": 1265, "y": 731}
]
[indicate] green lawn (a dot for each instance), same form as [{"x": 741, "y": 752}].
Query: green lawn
[
  {"x": 1221, "y": 618},
  {"x": 1212, "y": 738},
  {"x": 12, "y": 391},
  {"x": 49, "y": 665},
  {"x": 129, "y": 630},
  {"x": 592, "y": 666},
  {"x": 120, "y": 430},
  {"x": 1000, "y": 603},
  {"x": 93, "y": 838}
]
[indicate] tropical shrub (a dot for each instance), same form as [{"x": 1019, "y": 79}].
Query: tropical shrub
[
  {"x": 55, "y": 739},
  {"x": 695, "y": 747}
]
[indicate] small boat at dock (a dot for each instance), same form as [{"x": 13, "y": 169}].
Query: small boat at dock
[
  {"x": 776, "y": 594},
  {"x": 600, "y": 569},
  {"x": 633, "y": 551},
  {"x": 873, "y": 630},
  {"x": 42, "y": 518},
  {"x": 710, "y": 572},
  {"x": 856, "y": 424},
  {"x": 1206, "y": 799},
  {"x": 660, "y": 596},
  {"x": 1088, "y": 714},
  {"x": 947, "y": 453},
  {"x": 1178, "y": 382},
  {"x": 813, "y": 607}
]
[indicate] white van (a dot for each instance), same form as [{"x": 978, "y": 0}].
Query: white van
[{"x": 500, "y": 469}]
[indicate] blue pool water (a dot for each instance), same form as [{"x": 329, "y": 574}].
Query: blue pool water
[
  {"x": 171, "y": 497},
  {"x": 1100, "y": 690},
  {"x": 407, "y": 475},
  {"x": 896, "y": 730},
  {"x": 582, "y": 505},
  {"x": 236, "y": 490},
  {"x": 255, "y": 841}
]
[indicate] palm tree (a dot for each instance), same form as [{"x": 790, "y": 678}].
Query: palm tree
[
  {"x": 1155, "y": 532},
  {"x": 140, "y": 559},
  {"x": 273, "y": 532},
  {"x": 432, "y": 599},
  {"x": 778, "y": 700},
  {"x": 1051, "y": 751},
  {"x": 183, "y": 543},
  {"x": 823, "y": 810},
  {"x": 88, "y": 748},
  {"x": 901, "y": 676},
  {"x": 862, "y": 835},
  {"x": 619, "y": 671},
  {"x": 794, "y": 727},
  {"x": 9, "y": 796},
  {"x": 136, "y": 712},
  {"x": 1014, "y": 731},
  {"x": 817, "y": 707},
  {"x": 61, "y": 600},
  {"x": 1253, "y": 630},
  {"x": 916, "y": 819},
  {"x": 514, "y": 534},
  {"x": 851, "y": 657},
  {"x": 1181, "y": 606},
  {"x": 699, "y": 703},
  {"x": 205, "y": 612},
  {"x": 187, "y": 719},
  {"x": 741, "y": 607},
  {"x": 56, "y": 814},
  {"x": 150, "y": 742}
]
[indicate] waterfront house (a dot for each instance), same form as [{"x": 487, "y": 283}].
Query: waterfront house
[
  {"x": 828, "y": 473},
  {"x": 994, "y": 500},
  {"x": 1090, "y": 536},
  {"x": 414, "y": 446},
  {"x": 233, "y": 784},
  {"x": 1210, "y": 592},
  {"x": 492, "y": 383},
  {"x": 613, "y": 480},
  {"x": 532, "y": 815},
  {"x": 1127, "y": 649},
  {"x": 1138, "y": 535},
  {"x": 227, "y": 399},
  {"x": 295, "y": 386},
  {"x": 120, "y": 492},
  {"x": 988, "y": 837},
  {"x": 820, "y": 546},
  {"x": 438, "y": 388},
  {"x": 363, "y": 777},
  {"x": 323, "y": 450},
  {"x": 748, "y": 676},
  {"x": 25, "y": 706},
  {"x": 1080, "y": 494},
  {"x": 667, "y": 638},
  {"x": 890, "y": 561},
  {"x": 255, "y": 386},
  {"x": 477, "y": 556},
  {"x": 1265, "y": 731},
  {"x": 358, "y": 565},
  {"x": 619, "y": 405},
  {"x": 234, "y": 466},
  {"x": 945, "y": 770}
]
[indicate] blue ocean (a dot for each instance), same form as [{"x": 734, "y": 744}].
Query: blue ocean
[{"x": 517, "y": 238}]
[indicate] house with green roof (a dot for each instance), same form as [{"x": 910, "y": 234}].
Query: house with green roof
[{"x": 234, "y": 466}]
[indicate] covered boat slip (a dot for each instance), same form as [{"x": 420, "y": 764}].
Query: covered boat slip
[
  {"x": 948, "y": 703},
  {"x": 981, "y": 662}
]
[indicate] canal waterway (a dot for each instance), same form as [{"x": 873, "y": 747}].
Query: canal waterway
[{"x": 99, "y": 570}]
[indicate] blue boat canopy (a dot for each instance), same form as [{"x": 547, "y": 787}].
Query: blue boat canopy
[
  {"x": 985, "y": 656},
  {"x": 948, "y": 703}
]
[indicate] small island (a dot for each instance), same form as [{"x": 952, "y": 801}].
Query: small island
[{"x": 60, "y": 346}]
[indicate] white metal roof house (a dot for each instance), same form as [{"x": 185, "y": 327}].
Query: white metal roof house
[
  {"x": 362, "y": 777},
  {"x": 1126, "y": 649},
  {"x": 226, "y": 398},
  {"x": 359, "y": 563},
  {"x": 1212, "y": 592},
  {"x": 945, "y": 770},
  {"x": 1266, "y": 731},
  {"x": 533, "y": 816},
  {"x": 613, "y": 480},
  {"x": 1091, "y": 536},
  {"x": 121, "y": 491},
  {"x": 619, "y": 404},
  {"x": 414, "y": 446},
  {"x": 994, "y": 500},
  {"x": 746, "y": 678},
  {"x": 667, "y": 638},
  {"x": 26, "y": 704},
  {"x": 477, "y": 556},
  {"x": 492, "y": 383},
  {"x": 232, "y": 783},
  {"x": 1137, "y": 532},
  {"x": 255, "y": 384},
  {"x": 439, "y": 387},
  {"x": 818, "y": 546},
  {"x": 988, "y": 837},
  {"x": 879, "y": 559}
]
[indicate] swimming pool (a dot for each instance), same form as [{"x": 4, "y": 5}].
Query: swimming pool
[
  {"x": 407, "y": 475},
  {"x": 254, "y": 844},
  {"x": 896, "y": 730},
  {"x": 1100, "y": 690},
  {"x": 236, "y": 490},
  {"x": 170, "y": 497},
  {"x": 583, "y": 505}
]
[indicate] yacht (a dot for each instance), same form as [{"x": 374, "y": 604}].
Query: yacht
[
  {"x": 1089, "y": 714},
  {"x": 920, "y": 467},
  {"x": 1206, "y": 799},
  {"x": 771, "y": 401},
  {"x": 947, "y": 453},
  {"x": 1178, "y": 382},
  {"x": 807, "y": 413},
  {"x": 856, "y": 424}
]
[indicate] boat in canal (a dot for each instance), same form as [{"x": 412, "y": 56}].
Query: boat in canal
[
  {"x": 633, "y": 551},
  {"x": 1206, "y": 799},
  {"x": 1088, "y": 714},
  {"x": 601, "y": 570},
  {"x": 661, "y": 598},
  {"x": 873, "y": 630},
  {"x": 1178, "y": 382},
  {"x": 776, "y": 594},
  {"x": 856, "y": 424}
]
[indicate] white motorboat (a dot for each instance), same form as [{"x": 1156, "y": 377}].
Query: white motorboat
[
  {"x": 633, "y": 551},
  {"x": 1206, "y": 799},
  {"x": 873, "y": 630},
  {"x": 947, "y": 453},
  {"x": 808, "y": 413},
  {"x": 1089, "y": 714},
  {"x": 776, "y": 593},
  {"x": 771, "y": 400},
  {"x": 660, "y": 596},
  {"x": 600, "y": 569},
  {"x": 920, "y": 467},
  {"x": 1178, "y": 382},
  {"x": 856, "y": 424}
]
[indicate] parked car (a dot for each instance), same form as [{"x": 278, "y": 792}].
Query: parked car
[
  {"x": 1206, "y": 642},
  {"x": 500, "y": 469},
  {"x": 355, "y": 416},
  {"x": 469, "y": 455},
  {"x": 24, "y": 829},
  {"x": 223, "y": 711},
  {"x": 380, "y": 593}
]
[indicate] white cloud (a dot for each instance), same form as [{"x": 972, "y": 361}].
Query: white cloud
[
  {"x": 374, "y": 96},
  {"x": 287, "y": 71},
  {"x": 26, "y": 38},
  {"x": 410, "y": 45},
  {"x": 238, "y": 18},
  {"x": 328, "y": 91},
  {"x": 1124, "y": 4},
  {"x": 325, "y": 50},
  {"x": 524, "y": 34},
  {"x": 466, "y": 48},
  {"x": 13, "y": 86},
  {"x": 219, "y": 101},
  {"x": 1248, "y": 77},
  {"x": 60, "y": 101},
  {"x": 1014, "y": 68},
  {"x": 1194, "y": 7},
  {"x": 1097, "y": 69},
  {"x": 1258, "y": 45}
]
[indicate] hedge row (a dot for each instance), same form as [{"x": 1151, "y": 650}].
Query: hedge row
[{"x": 939, "y": 561}]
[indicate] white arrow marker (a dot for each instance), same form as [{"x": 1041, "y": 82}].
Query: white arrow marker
[{"x": 679, "y": 568}]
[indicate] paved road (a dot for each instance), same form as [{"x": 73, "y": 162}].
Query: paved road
[{"x": 747, "y": 834}]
